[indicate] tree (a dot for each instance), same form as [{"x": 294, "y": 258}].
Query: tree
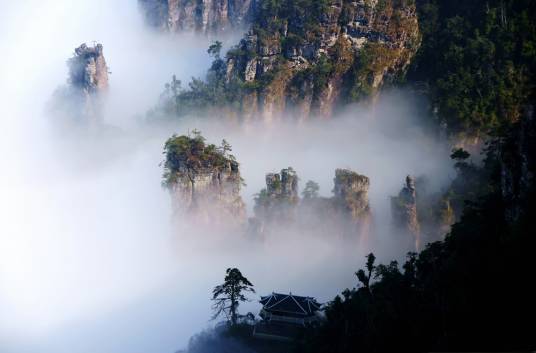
[
  {"x": 311, "y": 190},
  {"x": 459, "y": 154},
  {"x": 227, "y": 296},
  {"x": 225, "y": 147},
  {"x": 214, "y": 49},
  {"x": 362, "y": 276}
]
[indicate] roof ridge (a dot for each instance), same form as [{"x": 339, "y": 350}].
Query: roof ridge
[
  {"x": 305, "y": 312},
  {"x": 271, "y": 306}
]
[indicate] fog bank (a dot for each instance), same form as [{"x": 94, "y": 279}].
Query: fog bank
[{"x": 89, "y": 258}]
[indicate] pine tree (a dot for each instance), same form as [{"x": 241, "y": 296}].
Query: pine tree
[{"x": 227, "y": 296}]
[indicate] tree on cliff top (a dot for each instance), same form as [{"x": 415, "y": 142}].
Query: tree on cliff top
[
  {"x": 311, "y": 190},
  {"x": 227, "y": 296},
  {"x": 190, "y": 153}
]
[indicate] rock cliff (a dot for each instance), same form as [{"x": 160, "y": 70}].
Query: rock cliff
[
  {"x": 307, "y": 58},
  {"x": 200, "y": 16},
  {"x": 350, "y": 194},
  {"x": 81, "y": 101},
  {"x": 88, "y": 70},
  {"x": 278, "y": 206},
  {"x": 303, "y": 61},
  {"x": 204, "y": 181},
  {"x": 404, "y": 212},
  {"x": 277, "y": 202}
]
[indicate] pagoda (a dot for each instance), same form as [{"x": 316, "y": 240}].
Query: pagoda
[{"x": 285, "y": 315}]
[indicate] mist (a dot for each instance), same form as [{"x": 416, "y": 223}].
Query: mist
[{"x": 90, "y": 257}]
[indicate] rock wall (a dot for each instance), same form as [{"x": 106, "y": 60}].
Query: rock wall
[
  {"x": 88, "y": 70},
  {"x": 279, "y": 208},
  {"x": 209, "y": 196},
  {"x": 404, "y": 212},
  {"x": 303, "y": 64},
  {"x": 200, "y": 16},
  {"x": 279, "y": 200},
  {"x": 350, "y": 193},
  {"x": 204, "y": 181},
  {"x": 81, "y": 101}
]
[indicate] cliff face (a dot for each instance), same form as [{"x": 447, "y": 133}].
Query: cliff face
[
  {"x": 404, "y": 212},
  {"x": 302, "y": 61},
  {"x": 201, "y": 16},
  {"x": 88, "y": 70},
  {"x": 210, "y": 195},
  {"x": 204, "y": 182},
  {"x": 81, "y": 101},
  {"x": 351, "y": 194},
  {"x": 278, "y": 201},
  {"x": 278, "y": 206}
]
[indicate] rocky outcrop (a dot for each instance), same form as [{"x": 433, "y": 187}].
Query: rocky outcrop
[
  {"x": 210, "y": 195},
  {"x": 88, "y": 70},
  {"x": 404, "y": 212},
  {"x": 81, "y": 101},
  {"x": 303, "y": 61},
  {"x": 306, "y": 59},
  {"x": 200, "y": 16},
  {"x": 204, "y": 182},
  {"x": 277, "y": 202},
  {"x": 278, "y": 207},
  {"x": 350, "y": 194}
]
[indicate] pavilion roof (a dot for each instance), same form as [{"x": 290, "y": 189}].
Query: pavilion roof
[{"x": 289, "y": 303}]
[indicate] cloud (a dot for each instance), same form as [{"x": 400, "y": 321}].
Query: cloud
[{"x": 89, "y": 260}]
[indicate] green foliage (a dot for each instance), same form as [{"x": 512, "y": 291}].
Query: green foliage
[
  {"x": 311, "y": 190},
  {"x": 478, "y": 57},
  {"x": 302, "y": 16},
  {"x": 215, "y": 91},
  {"x": 214, "y": 49},
  {"x": 261, "y": 200},
  {"x": 191, "y": 154},
  {"x": 459, "y": 154},
  {"x": 321, "y": 74},
  {"x": 228, "y": 296}
]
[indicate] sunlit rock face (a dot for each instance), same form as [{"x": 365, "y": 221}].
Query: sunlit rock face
[
  {"x": 204, "y": 182},
  {"x": 351, "y": 194},
  {"x": 209, "y": 195},
  {"x": 303, "y": 64},
  {"x": 200, "y": 16},
  {"x": 81, "y": 101},
  {"x": 404, "y": 211},
  {"x": 88, "y": 70},
  {"x": 346, "y": 213},
  {"x": 278, "y": 201}
]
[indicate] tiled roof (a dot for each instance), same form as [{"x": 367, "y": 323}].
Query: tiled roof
[{"x": 290, "y": 303}]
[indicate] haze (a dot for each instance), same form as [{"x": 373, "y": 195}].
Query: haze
[{"x": 89, "y": 258}]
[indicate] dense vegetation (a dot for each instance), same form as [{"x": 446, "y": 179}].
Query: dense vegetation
[
  {"x": 191, "y": 154},
  {"x": 201, "y": 94},
  {"x": 479, "y": 59}
]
